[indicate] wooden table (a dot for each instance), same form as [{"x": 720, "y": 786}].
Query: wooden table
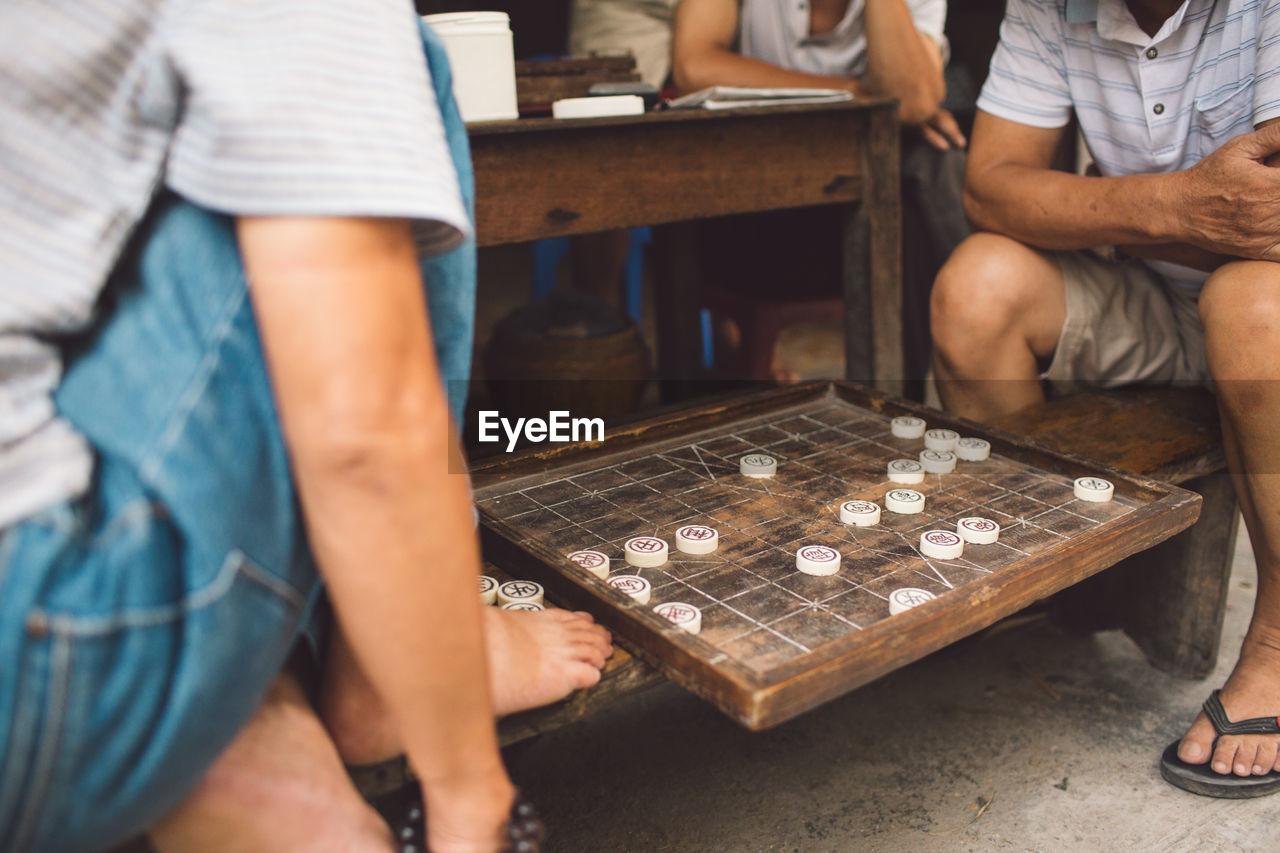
[{"x": 539, "y": 178}]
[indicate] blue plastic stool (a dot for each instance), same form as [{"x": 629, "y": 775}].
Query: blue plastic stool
[{"x": 547, "y": 255}]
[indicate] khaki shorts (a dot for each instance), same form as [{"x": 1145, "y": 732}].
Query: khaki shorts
[
  {"x": 613, "y": 26},
  {"x": 1125, "y": 324}
]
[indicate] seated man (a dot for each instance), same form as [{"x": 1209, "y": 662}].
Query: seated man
[
  {"x": 194, "y": 467},
  {"x": 877, "y": 47},
  {"x": 1166, "y": 94}
]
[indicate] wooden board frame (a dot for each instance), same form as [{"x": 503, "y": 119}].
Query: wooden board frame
[{"x": 757, "y": 700}]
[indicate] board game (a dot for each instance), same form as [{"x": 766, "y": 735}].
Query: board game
[{"x": 775, "y": 641}]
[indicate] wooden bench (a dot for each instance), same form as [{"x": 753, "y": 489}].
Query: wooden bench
[{"x": 1170, "y": 599}]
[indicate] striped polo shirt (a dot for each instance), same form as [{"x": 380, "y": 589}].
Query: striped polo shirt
[
  {"x": 1145, "y": 104},
  {"x": 777, "y": 31},
  {"x": 252, "y": 107}
]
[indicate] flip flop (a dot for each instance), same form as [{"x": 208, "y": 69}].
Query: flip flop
[
  {"x": 403, "y": 811},
  {"x": 1201, "y": 778}
]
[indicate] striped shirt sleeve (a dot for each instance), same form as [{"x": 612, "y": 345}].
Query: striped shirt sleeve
[
  {"x": 311, "y": 108},
  {"x": 1266, "y": 85},
  {"x": 1028, "y": 79}
]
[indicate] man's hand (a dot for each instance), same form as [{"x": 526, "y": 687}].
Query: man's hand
[
  {"x": 1229, "y": 202},
  {"x": 942, "y": 132}
]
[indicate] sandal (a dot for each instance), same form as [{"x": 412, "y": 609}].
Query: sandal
[
  {"x": 1202, "y": 779},
  {"x": 405, "y": 814}
]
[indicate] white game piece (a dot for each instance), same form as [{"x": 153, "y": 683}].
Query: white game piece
[
  {"x": 938, "y": 461},
  {"x": 1094, "y": 489},
  {"x": 683, "y": 615},
  {"x": 906, "y": 598},
  {"x": 488, "y": 590},
  {"x": 906, "y": 471},
  {"x": 697, "y": 539},
  {"x": 978, "y": 531},
  {"x": 645, "y": 552},
  {"x": 818, "y": 560},
  {"x": 904, "y": 501},
  {"x": 520, "y": 592},
  {"x": 633, "y": 585},
  {"x": 522, "y": 605},
  {"x": 941, "y": 439},
  {"x": 941, "y": 544},
  {"x": 757, "y": 466},
  {"x": 593, "y": 561},
  {"x": 860, "y": 513},
  {"x": 973, "y": 449},
  {"x": 907, "y": 427}
]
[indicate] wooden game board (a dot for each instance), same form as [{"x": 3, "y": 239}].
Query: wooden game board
[{"x": 776, "y": 642}]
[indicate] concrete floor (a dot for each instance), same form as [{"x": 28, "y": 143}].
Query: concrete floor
[{"x": 1057, "y": 736}]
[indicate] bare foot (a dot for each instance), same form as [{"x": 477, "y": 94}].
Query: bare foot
[
  {"x": 1252, "y": 690},
  {"x": 280, "y": 785},
  {"x": 538, "y": 658},
  {"x": 535, "y": 658}
]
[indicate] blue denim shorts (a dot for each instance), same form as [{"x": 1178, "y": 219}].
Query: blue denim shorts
[{"x": 141, "y": 624}]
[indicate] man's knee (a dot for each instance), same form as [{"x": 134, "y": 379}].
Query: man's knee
[
  {"x": 984, "y": 292},
  {"x": 1240, "y": 310}
]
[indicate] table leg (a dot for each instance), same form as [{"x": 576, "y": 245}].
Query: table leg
[{"x": 676, "y": 306}]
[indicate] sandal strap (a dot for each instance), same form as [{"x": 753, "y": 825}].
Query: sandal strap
[{"x": 1255, "y": 726}]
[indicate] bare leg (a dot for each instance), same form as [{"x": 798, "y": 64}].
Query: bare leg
[
  {"x": 280, "y": 785},
  {"x": 1240, "y": 307},
  {"x": 534, "y": 659},
  {"x": 997, "y": 306}
]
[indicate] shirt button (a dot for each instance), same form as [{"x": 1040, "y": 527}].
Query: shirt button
[
  {"x": 1152, "y": 53},
  {"x": 1158, "y": 109}
]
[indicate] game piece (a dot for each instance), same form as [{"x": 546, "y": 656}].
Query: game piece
[
  {"x": 941, "y": 544},
  {"x": 684, "y": 615},
  {"x": 1094, "y": 489},
  {"x": 757, "y": 466},
  {"x": 907, "y": 427},
  {"x": 904, "y": 501},
  {"x": 973, "y": 449},
  {"x": 522, "y": 605},
  {"x": 908, "y": 597},
  {"x": 593, "y": 561},
  {"x": 634, "y": 586},
  {"x": 906, "y": 471},
  {"x": 860, "y": 513},
  {"x": 645, "y": 552},
  {"x": 941, "y": 439},
  {"x": 697, "y": 539},
  {"x": 524, "y": 592},
  {"x": 978, "y": 531},
  {"x": 488, "y": 590},
  {"x": 938, "y": 461},
  {"x": 818, "y": 560}
]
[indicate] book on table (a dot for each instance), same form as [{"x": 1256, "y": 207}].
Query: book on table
[{"x": 733, "y": 97}]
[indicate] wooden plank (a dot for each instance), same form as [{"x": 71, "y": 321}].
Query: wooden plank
[
  {"x": 1165, "y": 433},
  {"x": 538, "y": 178},
  {"x": 819, "y": 641}
]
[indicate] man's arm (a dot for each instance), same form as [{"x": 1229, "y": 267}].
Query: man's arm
[
  {"x": 1227, "y": 204},
  {"x": 344, "y": 327},
  {"x": 702, "y": 54},
  {"x": 901, "y": 61}
]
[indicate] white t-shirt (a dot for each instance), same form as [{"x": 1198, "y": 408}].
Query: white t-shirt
[
  {"x": 777, "y": 31},
  {"x": 1146, "y": 104},
  {"x": 270, "y": 107}
]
